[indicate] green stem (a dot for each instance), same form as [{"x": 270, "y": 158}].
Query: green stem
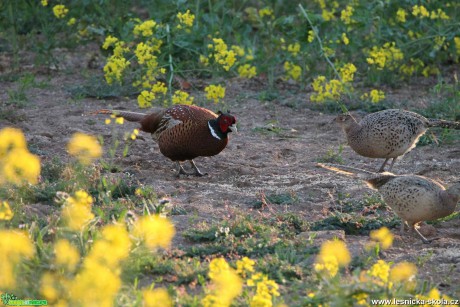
[
  {"x": 170, "y": 60},
  {"x": 320, "y": 43}
]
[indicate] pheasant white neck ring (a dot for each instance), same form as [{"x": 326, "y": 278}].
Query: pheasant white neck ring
[{"x": 213, "y": 132}]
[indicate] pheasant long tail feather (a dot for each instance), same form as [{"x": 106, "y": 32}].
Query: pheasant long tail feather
[
  {"x": 129, "y": 116},
  {"x": 432, "y": 122},
  {"x": 347, "y": 170}
]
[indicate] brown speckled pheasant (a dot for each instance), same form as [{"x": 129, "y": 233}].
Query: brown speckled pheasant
[
  {"x": 413, "y": 198},
  {"x": 184, "y": 132},
  {"x": 389, "y": 133}
]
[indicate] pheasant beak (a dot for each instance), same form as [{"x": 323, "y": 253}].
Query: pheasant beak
[{"x": 233, "y": 128}]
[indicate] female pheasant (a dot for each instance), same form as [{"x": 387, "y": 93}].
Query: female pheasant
[{"x": 184, "y": 132}]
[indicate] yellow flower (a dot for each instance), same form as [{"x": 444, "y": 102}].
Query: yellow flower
[
  {"x": 5, "y": 211},
  {"x": 114, "y": 67},
  {"x": 311, "y": 36},
  {"x": 457, "y": 47},
  {"x": 11, "y": 138},
  {"x": 238, "y": 50},
  {"x": 156, "y": 298},
  {"x": 420, "y": 10},
  {"x": 345, "y": 39},
  {"x": 346, "y": 14},
  {"x": 134, "y": 134},
  {"x": 266, "y": 11},
  {"x": 114, "y": 238},
  {"x": 49, "y": 284},
  {"x": 119, "y": 120},
  {"x": 245, "y": 265},
  {"x": 204, "y": 60},
  {"x": 292, "y": 70},
  {"x": 44, "y": 2},
  {"x": 154, "y": 230},
  {"x": 325, "y": 90},
  {"x": 381, "y": 270},
  {"x": 71, "y": 21},
  {"x": 401, "y": 15},
  {"x": 386, "y": 56},
  {"x": 403, "y": 272},
  {"x": 185, "y": 19},
  {"x": 76, "y": 212},
  {"x": 382, "y": 235},
  {"x": 14, "y": 245},
  {"x": 266, "y": 289},
  {"x": 84, "y": 147},
  {"x": 247, "y": 71},
  {"x": 145, "y": 28},
  {"x": 108, "y": 121},
  {"x": 226, "y": 284},
  {"x": 181, "y": 97},
  {"x": 294, "y": 48},
  {"x": 221, "y": 54},
  {"x": 215, "y": 92},
  {"x": 20, "y": 165},
  {"x": 347, "y": 72},
  {"x": 109, "y": 41},
  {"x": 60, "y": 11},
  {"x": 66, "y": 255},
  {"x": 332, "y": 255}
]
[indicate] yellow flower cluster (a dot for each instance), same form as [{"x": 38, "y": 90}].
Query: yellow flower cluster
[
  {"x": 66, "y": 255},
  {"x": 346, "y": 14},
  {"x": 84, "y": 147},
  {"x": 222, "y": 55},
  {"x": 266, "y": 289},
  {"x": 226, "y": 284},
  {"x": 294, "y": 49},
  {"x": 292, "y": 70},
  {"x": 401, "y": 15},
  {"x": 247, "y": 71},
  {"x": 154, "y": 231},
  {"x": 134, "y": 134},
  {"x": 325, "y": 90},
  {"x": 14, "y": 246},
  {"x": 71, "y": 21},
  {"x": 457, "y": 44},
  {"x": 109, "y": 42},
  {"x": 381, "y": 271},
  {"x": 387, "y": 56},
  {"x": 60, "y": 11},
  {"x": 6, "y": 213},
  {"x": 420, "y": 10},
  {"x": 145, "y": 98},
  {"x": 434, "y": 296},
  {"x": 17, "y": 164},
  {"x": 347, "y": 72},
  {"x": 186, "y": 19},
  {"x": 215, "y": 92},
  {"x": 383, "y": 235},
  {"x": 245, "y": 266},
  {"x": 44, "y": 2},
  {"x": 345, "y": 39},
  {"x": 181, "y": 97},
  {"x": 310, "y": 36},
  {"x": 76, "y": 212},
  {"x": 145, "y": 28},
  {"x": 266, "y": 11},
  {"x": 156, "y": 298},
  {"x": 332, "y": 255},
  {"x": 409, "y": 69},
  {"x": 116, "y": 63},
  {"x": 375, "y": 96}
]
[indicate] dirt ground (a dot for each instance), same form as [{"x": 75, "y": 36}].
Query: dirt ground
[{"x": 255, "y": 161}]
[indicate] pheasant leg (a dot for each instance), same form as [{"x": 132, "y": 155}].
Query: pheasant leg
[
  {"x": 424, "y": 240},
  {"x": 182, "y": 170},
  {"x": 382, "y": 168},
  {"x": 392, "y": 163},
  {"x": 197, "y": 170}
]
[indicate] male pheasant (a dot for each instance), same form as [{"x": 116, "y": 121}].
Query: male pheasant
[
  {"x": 389, "y": 133},
  {"x": 413, "y": 198},
  {"x": 184, "y": 132}
]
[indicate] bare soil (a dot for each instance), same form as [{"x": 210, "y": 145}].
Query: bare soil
[{"x": 274, "y": 152}]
